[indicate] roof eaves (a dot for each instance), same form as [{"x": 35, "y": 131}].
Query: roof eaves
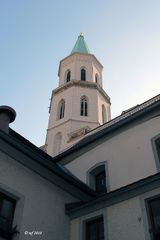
[{"x": 107, "y": 199}]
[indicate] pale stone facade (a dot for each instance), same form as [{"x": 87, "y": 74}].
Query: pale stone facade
[{"x": 67, "y": 124}]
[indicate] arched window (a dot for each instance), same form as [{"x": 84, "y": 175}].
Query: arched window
[
  {"x": 83, "y": 106},
  {"x": 96, "y": 78},
  {"x": 83, "y": 74},
  {"x": 68, "y": 76},
  {"x": 103, "y": 114},
  {"x": 61, "y": 109},
  {"x": 57, "y": 143},
  {"x": 97, "y": 178}
]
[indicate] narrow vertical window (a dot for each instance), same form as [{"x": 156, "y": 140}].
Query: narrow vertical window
[
  {"x": 84, "y": 106},
  {"x": 95, "y": 229},
  {"x": 96, "y": 78},
  {"x": 61, "y": 109},
  {"x": 68, "y": 76},
  {"x": 97, "y": 179},
  {"x": 157, "y": 143},
  {"x": 7, "y": 208},
  {"x": 100, "y": 182},
  {"x": 83, "y": 74},
  {"x": 103, "y": 114},
  {"x": 154, "y": 217}
]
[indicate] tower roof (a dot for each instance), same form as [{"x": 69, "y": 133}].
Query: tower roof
[{"x": 80, "y": 45}]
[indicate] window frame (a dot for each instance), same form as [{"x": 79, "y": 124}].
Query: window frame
[
  {"x": 83, "y": 74},
  {"x": 148, "y": 212},
  {"x": 96, "y": 78},
  {"x": 61, "y": 109},
  {"x": 104, "y": 114},
  {"x": 89, "y": 216},
  {"x": 155, "y": 153},
  {"x": 94, "y": 170},
  {"x": 12, "y": 201},
  {"x": 66, "y": 76},
  {"x": 84, "y": 106},
  {"x": 19, "y": 209},
  {"x": 94, "y": 220},
  {"x": 7, "y": 232}
]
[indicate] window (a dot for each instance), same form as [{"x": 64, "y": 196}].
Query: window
[
  {"x": 68, "y": 76},
  {"x": 94, "y": 229},
  {"x": 96, "y": 78},
  {"x": 103, "y": 114},
  {"x": 100, "y": 182},
  {"x": 83, "y": 106},
  {"x": 156, "y": 150},
  {"x": 7, "y": 208},
  {"x": 154, "y": 217},
  {"x": 61, "y": 109},
  {"x": 97, "y": 178},
  {"x": 83, "y": 74}
]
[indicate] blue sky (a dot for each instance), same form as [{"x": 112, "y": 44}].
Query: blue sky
[{"x": 36, "y": 34}]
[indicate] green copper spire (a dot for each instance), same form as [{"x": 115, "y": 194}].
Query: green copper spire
[{"x": 80, "y": 45}]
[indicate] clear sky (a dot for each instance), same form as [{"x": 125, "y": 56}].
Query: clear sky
[{"x": 36, "y": 34}]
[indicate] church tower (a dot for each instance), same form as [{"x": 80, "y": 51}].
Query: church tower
[{"x": 79, "y": 103}]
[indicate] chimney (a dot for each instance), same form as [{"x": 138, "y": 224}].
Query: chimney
[{"x": 7, "y": 115}]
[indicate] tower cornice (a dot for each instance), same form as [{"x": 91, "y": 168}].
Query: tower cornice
[{"x": 83, "y": 84}]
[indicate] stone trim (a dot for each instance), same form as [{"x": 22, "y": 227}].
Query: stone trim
[
  {"x": 73, "y": 120},
  {"x": 91, "y": 216},
  {"x": 83, "y": 84},
  {"x": 103, "y": 163}
]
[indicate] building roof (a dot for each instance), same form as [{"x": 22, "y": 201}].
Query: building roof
[{"x": 80, "y": 45}]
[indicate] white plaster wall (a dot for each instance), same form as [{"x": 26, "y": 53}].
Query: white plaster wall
[
  {"x": 44, "y": 202},
  {"x": 125, "y": 221},
  {"x": 129, "y": 155}
]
